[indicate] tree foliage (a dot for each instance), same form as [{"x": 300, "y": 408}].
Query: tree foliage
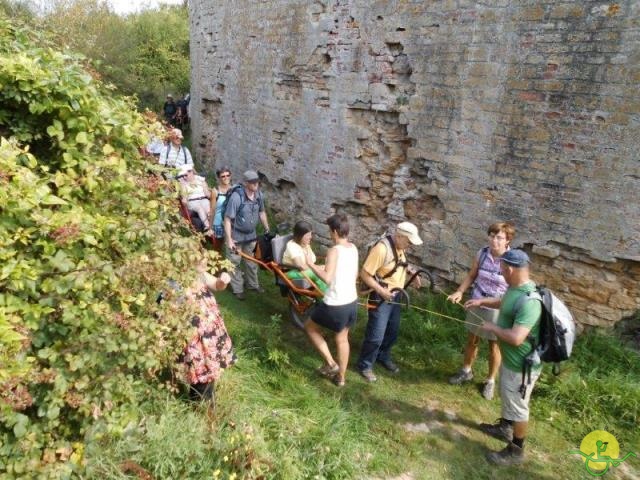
[
  {"x": 88, "y": 239},
  {"x": 145, "y": 54}
]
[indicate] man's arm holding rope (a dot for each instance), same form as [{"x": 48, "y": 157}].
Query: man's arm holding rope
[{"x": 370, "y": 281}]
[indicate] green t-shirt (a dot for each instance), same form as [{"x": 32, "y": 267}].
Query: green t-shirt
[{"x": 528, "y": 316}]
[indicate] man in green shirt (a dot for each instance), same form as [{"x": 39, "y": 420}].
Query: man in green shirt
[{"x": 513, "y": 330}]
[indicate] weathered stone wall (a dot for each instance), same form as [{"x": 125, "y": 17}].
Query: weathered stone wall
[{"x": 451, "y": 114}]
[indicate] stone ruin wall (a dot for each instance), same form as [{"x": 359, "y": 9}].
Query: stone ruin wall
[{"x": 451, "y": 114}]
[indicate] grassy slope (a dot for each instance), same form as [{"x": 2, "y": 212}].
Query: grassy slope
[{"x": 276, "y": 418}]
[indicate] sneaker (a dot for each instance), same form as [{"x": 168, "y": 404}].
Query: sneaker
[
  {"x": 461, "y": 377},
  {"x": 390, "y": 365},
  {"x": 337, "y": 381},
  {"x": 258, "y": 289},
  {"x": 487, "y": 391},
  {"x": 500, "y": 430},
  {"x": 328, "y": 371},
  {"x": 368, "y": 375},
  {"x": 239, "y": 295},
  {"x": 510, "y": 455}
]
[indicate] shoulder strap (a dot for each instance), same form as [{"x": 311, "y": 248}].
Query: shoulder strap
[
  {"x": 394, "y": 252},
  {"x": 524, "y": 298},
  {"x": 484, "y": 253}
]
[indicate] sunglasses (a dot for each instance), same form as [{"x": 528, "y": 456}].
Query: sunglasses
[{"x": 225, "y": 175}]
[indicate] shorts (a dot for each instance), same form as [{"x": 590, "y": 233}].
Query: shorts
[
  {"x": 218, "y": 231},
  {"x": 486, "y": 314},
  {"x": 514, "y": 407},
  {"x": 335, "y": 317}
]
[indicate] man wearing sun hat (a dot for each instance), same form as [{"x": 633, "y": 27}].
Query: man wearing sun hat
[
  {"x": 514, "y": 328},
  {"x": 383, "y": 271},
  {"x": 174, "y": 154}
]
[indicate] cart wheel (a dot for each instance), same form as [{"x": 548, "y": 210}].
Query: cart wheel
[{"x": 296, "y": 317}]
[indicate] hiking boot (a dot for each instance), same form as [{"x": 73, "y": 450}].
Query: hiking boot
[
  {"x": 510, "y": 455},
  {"x": 461, "y": 377},
  {"x": 390, "y": 365},
  {"x": 368, "y": 375},
  {"x": 239, "y": 295},
  {"x": 487, "y": 391},
  {"x": 500, "y": 430}
]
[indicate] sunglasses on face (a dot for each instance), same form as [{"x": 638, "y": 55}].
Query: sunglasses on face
[{"x": 225, "y": 175}]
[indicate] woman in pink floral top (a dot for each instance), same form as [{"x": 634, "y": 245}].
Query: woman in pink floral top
[
  {"x": 209, "y": 350},
  {"x": 487, "y": 280}
]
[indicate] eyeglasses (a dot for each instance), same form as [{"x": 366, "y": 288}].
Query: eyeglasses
[
  {"x": 225, "y": 175},
  {"x": 497, "y": 236}
]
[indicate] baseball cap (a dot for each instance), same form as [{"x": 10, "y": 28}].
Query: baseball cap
[
  {"x": 410, "y": 231},
  {"x": 515, "y": 258}
]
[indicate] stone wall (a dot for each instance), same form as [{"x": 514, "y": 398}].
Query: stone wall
[{"x": 451, "y": 114}]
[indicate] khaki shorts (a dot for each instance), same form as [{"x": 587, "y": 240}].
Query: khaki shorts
[
  {"x": 514, "y": 407},
  {"x": 485, "y": 314}
]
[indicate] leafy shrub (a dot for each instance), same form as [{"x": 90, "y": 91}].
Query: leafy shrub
[{"x": 88, "y": 240}]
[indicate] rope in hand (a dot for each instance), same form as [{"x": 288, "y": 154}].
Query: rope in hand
[{"x": 422, "y": 309}]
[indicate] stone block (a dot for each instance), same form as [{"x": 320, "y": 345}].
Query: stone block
[{"x": 546, "y": 251}]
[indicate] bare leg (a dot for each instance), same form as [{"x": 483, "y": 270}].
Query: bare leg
[
  {"x": 201, "y": 207},
  {"x": 318, "y": 342},
  {"x": 342, "y": 347},
  {"x": 494, "y": 359},
  {"x": 470, "y": 351}
]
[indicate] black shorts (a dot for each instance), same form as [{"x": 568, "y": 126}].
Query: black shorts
[{"x": 335, "y": 317}]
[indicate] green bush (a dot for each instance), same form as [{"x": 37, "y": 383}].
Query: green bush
[
  {"x": 144, "y": 54},
  {"x": 88, "y": 240}
]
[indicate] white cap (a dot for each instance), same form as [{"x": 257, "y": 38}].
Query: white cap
[{"x": 410, "y": 231}]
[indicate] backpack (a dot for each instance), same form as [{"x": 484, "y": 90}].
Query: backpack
[
  {"x": 388, "y": 241},
  {"x": 240, "y": 190},
  {"x": 264, "y": 248},
  {"x": 184, "y": 154},
  {"x": 557, "y": 333}
]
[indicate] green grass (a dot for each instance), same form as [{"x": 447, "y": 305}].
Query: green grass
[{"x": 276, "y": 419}]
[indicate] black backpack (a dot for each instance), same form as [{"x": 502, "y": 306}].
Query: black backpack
[
  {"x": 389, "y": 244},
  {"x": 557, "y": 333}
]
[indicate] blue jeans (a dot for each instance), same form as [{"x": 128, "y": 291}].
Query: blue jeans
[{"x": 381, "y": 334}]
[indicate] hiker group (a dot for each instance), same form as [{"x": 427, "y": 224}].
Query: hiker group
[{"x": 505, "y": 306}]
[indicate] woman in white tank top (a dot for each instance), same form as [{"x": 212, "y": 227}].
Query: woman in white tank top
[{"x": 338, "y": 309}]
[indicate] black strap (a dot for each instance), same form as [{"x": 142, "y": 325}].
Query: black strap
[
  {"x": 198, "y": 198},
  {"x": 397, "y": 263},
  {"x": 526, "y": 367}
]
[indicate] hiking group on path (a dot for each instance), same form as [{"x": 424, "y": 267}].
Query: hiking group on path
[{"x": 501, "y": 296}]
